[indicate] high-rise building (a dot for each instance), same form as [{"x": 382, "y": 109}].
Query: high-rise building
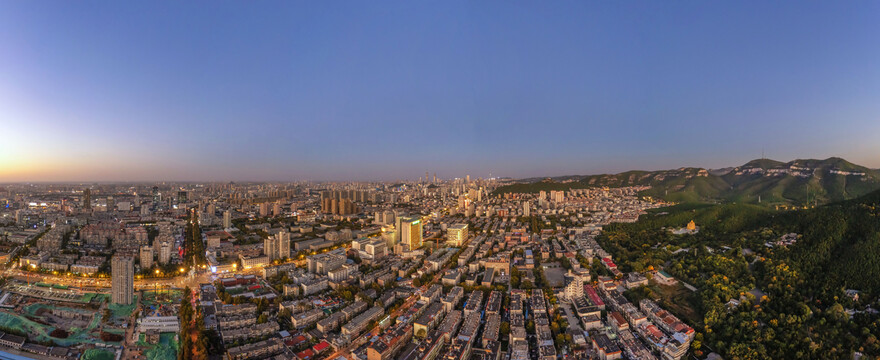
[
  {"x": 398, "y": 218},
  {"x": 278, "y": 246},
  {"x": 276, "y": 209},
  {"x": 325, "y": 204},
  {"x": 457, "y": 234},
  {"x": 122, "y": 276},
  {"x": 157, "y": 245},
  {"x": 388, "y": 217},
  {"x": 227, "y": 219},
  {"x": 87, "y": 199},
  {"x": 157, "y": 198},
  {"x": 526, "y": 210},
  {"x": 146, "y": 257},
  {"x": 345, "y": 207},
  {"x": 411, "y": 232},
  {"x": 165, "y": 253},
  {"x": 181, "y": 197},
  {"x": 264, "y": 209},
  {"x": 463, "y": 202}
]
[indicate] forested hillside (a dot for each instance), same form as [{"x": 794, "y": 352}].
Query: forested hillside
[
  {"x": 804, "y": 311},
  {"x": 769, "y": 182}
]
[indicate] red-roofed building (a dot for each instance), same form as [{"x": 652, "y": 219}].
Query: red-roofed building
[
  {"x": 239, "y": 280},
  {"x": 321, "y": 346},
  {"x": 594, "y": 297},
  {"x": 609, "y": 263},
  {"x": 617, "y": 321},
  {"x": 296, "y": 340},
  {"x": 655, "y": 332},
  {"x": 305, "y": 354}
]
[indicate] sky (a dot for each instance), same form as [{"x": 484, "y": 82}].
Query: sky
[{"x": 386, "y": 90}]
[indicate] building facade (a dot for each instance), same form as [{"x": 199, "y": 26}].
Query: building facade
[{"x": 122, "y": 273}]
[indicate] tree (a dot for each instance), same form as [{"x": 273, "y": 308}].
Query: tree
[
  {"x": 285, "y": 313},
  {"x": 194, "y": 247},
  {"x": 560, "y": 339},
  {"x": 515, "y": 278},
  {"x": 193, "y": 342}
]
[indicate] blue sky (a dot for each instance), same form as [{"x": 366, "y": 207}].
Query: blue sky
[{"x": 163, "y": 90}]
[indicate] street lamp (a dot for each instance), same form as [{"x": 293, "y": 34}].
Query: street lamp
[{"x": 33, "y": 266}]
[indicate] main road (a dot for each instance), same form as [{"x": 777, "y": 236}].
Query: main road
[{"x": 181, "y": 281}]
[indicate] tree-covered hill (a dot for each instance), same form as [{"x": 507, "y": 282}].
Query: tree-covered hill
[
  {"x": 806, "y": 313},
  {"x": 798, "y": 182}
]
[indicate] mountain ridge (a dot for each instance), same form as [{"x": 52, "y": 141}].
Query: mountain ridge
[{"x": 797, "y": 182}]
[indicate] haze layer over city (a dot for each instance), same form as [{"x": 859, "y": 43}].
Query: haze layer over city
[{"x": 449, "y": 181}]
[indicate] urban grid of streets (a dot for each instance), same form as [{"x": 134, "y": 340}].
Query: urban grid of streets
[{"x": 308, "y": 270}]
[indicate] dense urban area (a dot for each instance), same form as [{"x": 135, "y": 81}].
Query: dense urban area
[
  {"x": 439, "y": 180},
  {"x": 432, "y": 269}
]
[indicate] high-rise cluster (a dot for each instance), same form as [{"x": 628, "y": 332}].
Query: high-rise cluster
[
  {"x": 278, "y": 246},
  {"x": 339, "y": 202}
]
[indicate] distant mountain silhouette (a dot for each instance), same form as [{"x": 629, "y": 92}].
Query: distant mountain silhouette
[{"x": 798, "y": 182}]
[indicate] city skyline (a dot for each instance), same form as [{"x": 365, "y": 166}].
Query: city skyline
[
  {"x": 456, "y": 180},
  {"x": 281, "y": 92}
]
